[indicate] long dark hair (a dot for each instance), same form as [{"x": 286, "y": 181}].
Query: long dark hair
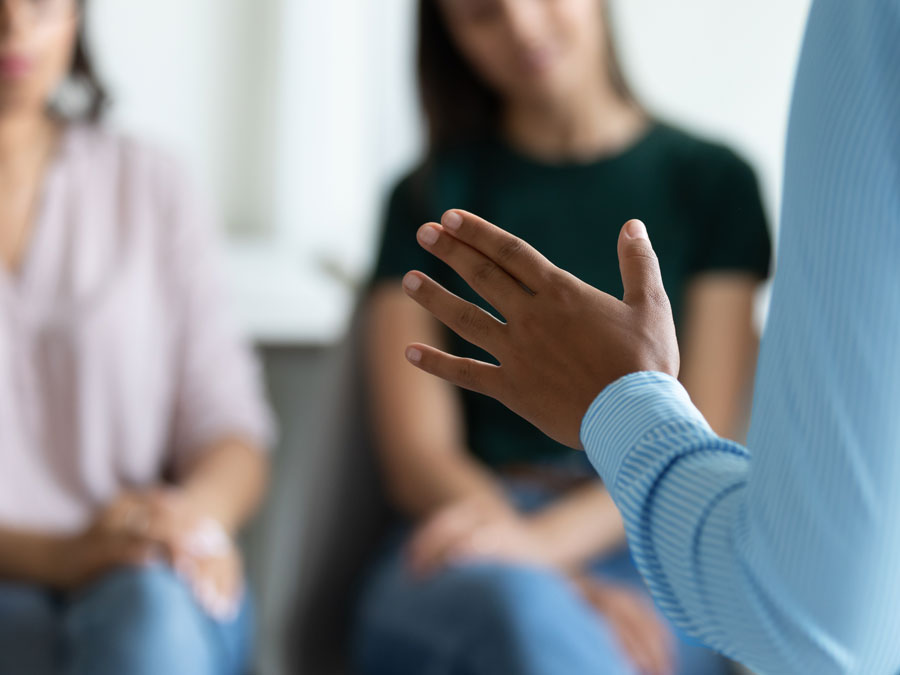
[
  {"x": 83, "y": 74},
  {"x": 458, "y": 105}
]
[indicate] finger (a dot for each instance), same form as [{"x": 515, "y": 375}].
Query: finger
[
  {"x": 477, "y": 544},
  {"x": 516, "y": 257},
  {"x": 651, "y": 636},
  {"x": 430, "y": 544},
  {"x": 215, "y": 589},
  {"x": 667, "y": 646},
  {"x": 468, "y": 321},
  {"x": 126, "y": 550},
  {"x": 631, "y": 645},
  {"x": 118, "y": 515},
  {"x": 639, "y": 266},
  {"x": 470, "y": 374},
  {"x": 660, "y": 645},
  {"x": 485, "y": 276},
  {"x": 632, "y": 642},
  {"x": 163, "y": 530},
  {"x": 461, "y": 550},
  {"x": 430, "y": 559}
]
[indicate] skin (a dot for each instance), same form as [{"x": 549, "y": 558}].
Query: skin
[
  {"x": 155, "y": 524},
  {"x": 555, "y": 327},
  {"x": 546, "y": 60}
]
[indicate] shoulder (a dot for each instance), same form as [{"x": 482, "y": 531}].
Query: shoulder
[
  {"x": 99, "y": 143},
  {"x": 135, "y": 168},
  {"x": 149, "y": 199},
  {"x": 442, "y": 179},
  {"x": 694, "y": 157}
]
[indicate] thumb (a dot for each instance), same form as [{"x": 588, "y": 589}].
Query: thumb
[{"x": 639, "y": 266}]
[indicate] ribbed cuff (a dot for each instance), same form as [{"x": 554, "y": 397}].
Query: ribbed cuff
[{"x": 626, "y": 412}]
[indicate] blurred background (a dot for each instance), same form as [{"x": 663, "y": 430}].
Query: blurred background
[{"x": 297, "y": 117}]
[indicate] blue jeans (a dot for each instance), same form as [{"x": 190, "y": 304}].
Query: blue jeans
[
  {"x": 140, "y": 621},
  {"x": 489, "y": 618}
]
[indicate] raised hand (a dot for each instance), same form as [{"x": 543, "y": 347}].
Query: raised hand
[{"x": 563, "y": 341}]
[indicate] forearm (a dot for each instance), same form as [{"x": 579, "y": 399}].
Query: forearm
[
  {"x": 227, "y": 482},
  {"x": 778, "y": 567},
  {"x": 682, "y": 493},
  {"x": 719, "y": 347},
  {"x": 423, "y": 482},
  {"x": 419, "y": 426},
  {"x": 29, "y": 557},
  {"x": 580, "y": 527}
]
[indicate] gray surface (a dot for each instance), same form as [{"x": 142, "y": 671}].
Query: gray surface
[{"x": 307, "y": 550}]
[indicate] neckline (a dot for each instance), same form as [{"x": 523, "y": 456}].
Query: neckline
[
  {"x": 18, "y": 278},
  {"x": 634, "y": 148}
]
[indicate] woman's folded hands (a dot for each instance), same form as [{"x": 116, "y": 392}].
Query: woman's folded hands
[{"x": 159, "y": 525}]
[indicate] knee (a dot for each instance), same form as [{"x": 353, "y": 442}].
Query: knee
[
  {"x": 139, "y": 611},
  {"x": 514, "y": 603},
  {"x": 28, "y": 630},
  {"x": 532, "y": 621},
  {"x": 25, "y": 608}
]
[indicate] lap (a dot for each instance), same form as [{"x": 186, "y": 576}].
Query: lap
[
  {"x": 134, "y": 620},
  {"x": 439, "y": 614},
  {"x": 506, "y": 618},
  {"x": 28, "y": 630},
  {"x": 146, "y": 619}
]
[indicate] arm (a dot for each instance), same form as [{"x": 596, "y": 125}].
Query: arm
[
  {"x": 66, "y": 562},
  {"x": 786, "y": 558},
  {"x": 719, "y": 348},
  {"x": 791, "y": 552},
  {"x": 418, "y": 420},
  {"x": 428, "y": 469},
  {"x": 227, "y": 482},
  {"x": 29, "y": 558},
  {"x": 221, "y": 425},
  {"x": 580, "y": 526}
]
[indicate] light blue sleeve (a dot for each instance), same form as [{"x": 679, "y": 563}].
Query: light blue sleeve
[{"x": 786, "y": 555}]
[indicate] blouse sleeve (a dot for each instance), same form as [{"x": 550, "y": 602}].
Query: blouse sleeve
[
  {"x": 219, "y": 392},
  {"x": 399, "y": 251},
  {"x": 734, "y": 235}
]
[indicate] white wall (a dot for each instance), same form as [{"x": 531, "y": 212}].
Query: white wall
[
  {"x": 724, "y": 69},
  {"x": 298, "y": 113},
  {"x": 196, "y": 77}
]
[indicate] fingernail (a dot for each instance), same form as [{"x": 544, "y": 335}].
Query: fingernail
[
  {"x": 412, "y": 282},
  {"x": 636, "y": 230},
  {"x": 452, "y": 220},
  {"x": 428, "y": 235},
  {"x": 414, "y": 355}
]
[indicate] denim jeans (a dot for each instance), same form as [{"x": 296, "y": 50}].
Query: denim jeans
[
  {"x": 140, "y": 621},
  {"x": 490, "y": 618}
]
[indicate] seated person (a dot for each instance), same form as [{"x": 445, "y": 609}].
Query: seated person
[
  {"x": 132, "y": 421},
  {"x": 513, "y": 558}
]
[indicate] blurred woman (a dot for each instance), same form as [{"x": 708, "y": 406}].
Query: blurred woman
[
  {"x": 515, "y": 559},
  {"x": 131, "y": 417}
]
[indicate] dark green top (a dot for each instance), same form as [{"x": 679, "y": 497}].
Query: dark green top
[{"x": 700, "y": 202}]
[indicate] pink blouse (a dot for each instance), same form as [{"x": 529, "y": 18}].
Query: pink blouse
[{"x": 119, "y": 361}]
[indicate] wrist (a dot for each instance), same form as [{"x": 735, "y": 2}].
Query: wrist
[
  {"x": 207, "y": 506},
  {"x": 61, "y": 561},
  {"x": 553, "y": 553}
]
